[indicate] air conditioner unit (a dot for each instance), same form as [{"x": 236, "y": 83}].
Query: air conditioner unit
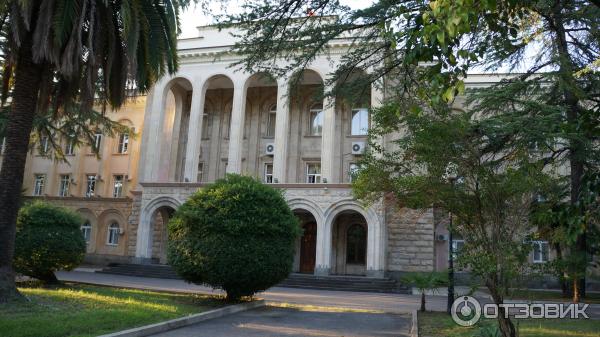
[
  {"x": 358, "y": 147},
  {"x": 73, "y": 181},
  {"x": 121, "y": 231},
  {"x": 441, "y": 237},
  {"x": 270, "y": 149}
]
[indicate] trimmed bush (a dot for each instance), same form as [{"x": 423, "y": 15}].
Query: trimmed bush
[
  {"x": 236, "y": 234},
  {"x": 48, "y": 239}
]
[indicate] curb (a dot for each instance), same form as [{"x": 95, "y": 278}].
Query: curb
[
  {"x": 414, "y": 329},
  {"x": 185, "y": 321}
]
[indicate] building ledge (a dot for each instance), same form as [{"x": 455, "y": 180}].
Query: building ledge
[{"x": 285, "y": 186}]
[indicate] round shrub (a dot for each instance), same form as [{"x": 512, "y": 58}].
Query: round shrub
[
  {"x": 48, "y": 239},
  {"x": 236, "y": 234}
]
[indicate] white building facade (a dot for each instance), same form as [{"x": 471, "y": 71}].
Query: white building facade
[{"x": 210, "y": 119}]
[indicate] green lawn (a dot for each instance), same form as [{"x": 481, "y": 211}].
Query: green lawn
[
  {"x": 82, "y": 310},
  {"x": 547, "y": 295},
  {"x": 437, "y": 324}
]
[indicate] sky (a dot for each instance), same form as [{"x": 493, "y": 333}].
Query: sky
[{"x": 195, "y": 17}]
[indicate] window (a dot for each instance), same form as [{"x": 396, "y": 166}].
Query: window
[
  {"x": 205, "y": 126},
  {"x": 457, "y": 245},
  {"x": 123, "y": 143},
  {"x": 356, "y": 244},
  {"x": 118, "y": 186},
  {"x": 352, "y": 171},
  {"x": 63, "y": 188},
  {"x": 38, "y": 185},
  {"x": 316, "y": 120},
  {"x": 200, "y": 172},
  {"x": 69, "y": 148},
  {"x": 227, "y": 124},
  {"x": 271, "y": 116},
  {"x": 268, "y": 178},
  {"x": 90, "y": 186},
  {"x": 113, "y": 234},
  {"x": 313, "y": 173},
  {"x": 540, "y": 251},
  {"x": 86, "y": 230},
  {"x": 360, "y": 122},
  {"x": 44, "y": 146},
  {"x": 97, "y": 141}
]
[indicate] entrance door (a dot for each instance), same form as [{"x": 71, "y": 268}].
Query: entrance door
[{"x": 308, "y": 248}]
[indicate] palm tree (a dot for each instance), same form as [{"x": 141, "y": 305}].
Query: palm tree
[
  {"x": 426, "y": 281},
  {"x": 64, "y": 55}
]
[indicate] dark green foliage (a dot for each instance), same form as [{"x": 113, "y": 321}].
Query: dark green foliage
[
  {"x": 426, "y": 281},
  {"x": 48, "y": 239},
  {"x": 236, "y": 234}
]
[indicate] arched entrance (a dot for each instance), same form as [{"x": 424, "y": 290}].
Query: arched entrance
[
  {"x": 349, "y": 238},
  {"x": 159, "y": 220},
  {"x": 306, "y": 247}
]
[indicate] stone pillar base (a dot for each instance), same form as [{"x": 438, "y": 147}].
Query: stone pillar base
[
  {"x": 322, "y": 271},
  {"x": 376, "y": 273},
  {"x": 141, "y": 260}
]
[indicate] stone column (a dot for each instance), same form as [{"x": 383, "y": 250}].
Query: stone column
[
  {"x": 375, "y": 242},
  {"x": 323, "y": 258},
  {"x": 328, "y": 141},
  {"x": 194, "y": 135},
  {"x": 282, "y": 125},
  {"x": 152, "y": 126},
  {"x": 143, "y": 251},
  {"x": 236, "y": 133}
]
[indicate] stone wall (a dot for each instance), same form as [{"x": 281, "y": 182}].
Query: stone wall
[{"x": 410, "y": 239}]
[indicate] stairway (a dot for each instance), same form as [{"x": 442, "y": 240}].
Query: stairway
[
  {"x": 140, "y": 270},
  {"x": 344, "y": 283},
  {"x": 307, "y": 281}
]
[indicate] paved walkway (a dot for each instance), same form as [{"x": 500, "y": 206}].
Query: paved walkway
[
  {"x": 392, "y": 303},
  {"x": 276, "y": 322}
]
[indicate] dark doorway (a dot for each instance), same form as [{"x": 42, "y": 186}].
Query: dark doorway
[{"x": 308, "y": 248}]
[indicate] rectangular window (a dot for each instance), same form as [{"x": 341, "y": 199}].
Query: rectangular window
[
  {"x": 313, "y": 173},
  {"x": 38, "y": 185},
  {"x": 457, "y": 245},
  {"x": 112, "y": 238},
  {"x": 271, "y": 122},
  {"x": 200, "y": 172},
  {"x": 540, "y": 251},
  {"x": 268, "y": 178},
  {"x": 316, "y": 121},
  {"x": 360, "y": 122},
  {"x": 352, "y": 171},
  {"x": 90, "y": 186},
  {"x": 70, "y": 148},
  {"x": 97, "y": 141},
  {"x": 64, "y": 184},
  {"x": 44, "y": 146},
  {"x": 118, "y": 186},
  {"x": 205, "y": 126},
  {"x": 123, "y": 143},
  {"x": 86, "y": 230}
]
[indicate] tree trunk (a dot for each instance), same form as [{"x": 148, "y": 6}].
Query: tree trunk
[
  {"x": 568, "y": 85},
  {"x": 505, "y": 325},
  {"x": 422, "y": 301},
  {"x": 20, "y": 123}
]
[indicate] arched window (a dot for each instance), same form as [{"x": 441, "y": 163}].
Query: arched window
[
  {"x": 86, "y": 230},
  {"x": 356, "y": 241},
  {"x": 113, "y": 234},
  {"x": 316, "y": 120},
  {"x": 271, "y": 121}
]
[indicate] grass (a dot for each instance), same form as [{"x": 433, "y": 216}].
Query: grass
[
  {"x": 83, "y": 310},
  {"x": 438, "y": 324},
  {"x": 547, "y": 295}
]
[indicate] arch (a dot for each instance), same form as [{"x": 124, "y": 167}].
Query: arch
[
  {"x": 308, "y": 206},
  {"x": 375, "y": 233},
  {"x": 143, "y": 249}
]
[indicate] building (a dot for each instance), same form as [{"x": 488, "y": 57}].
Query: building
[{"x": 208, "y": 120}]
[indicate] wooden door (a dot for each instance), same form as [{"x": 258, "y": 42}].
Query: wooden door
[{"x": 308, "y": 248}]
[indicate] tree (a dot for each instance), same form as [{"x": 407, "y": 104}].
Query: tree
[
  {"x": 424, "y": 282},
  {"x": 63, "y": 56},
  {"x": 554, "y": 45},
  {"x": 236, "y": 234},
  {"x": 48, "y": 239},
  {"x": 489, "y": 198}
]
